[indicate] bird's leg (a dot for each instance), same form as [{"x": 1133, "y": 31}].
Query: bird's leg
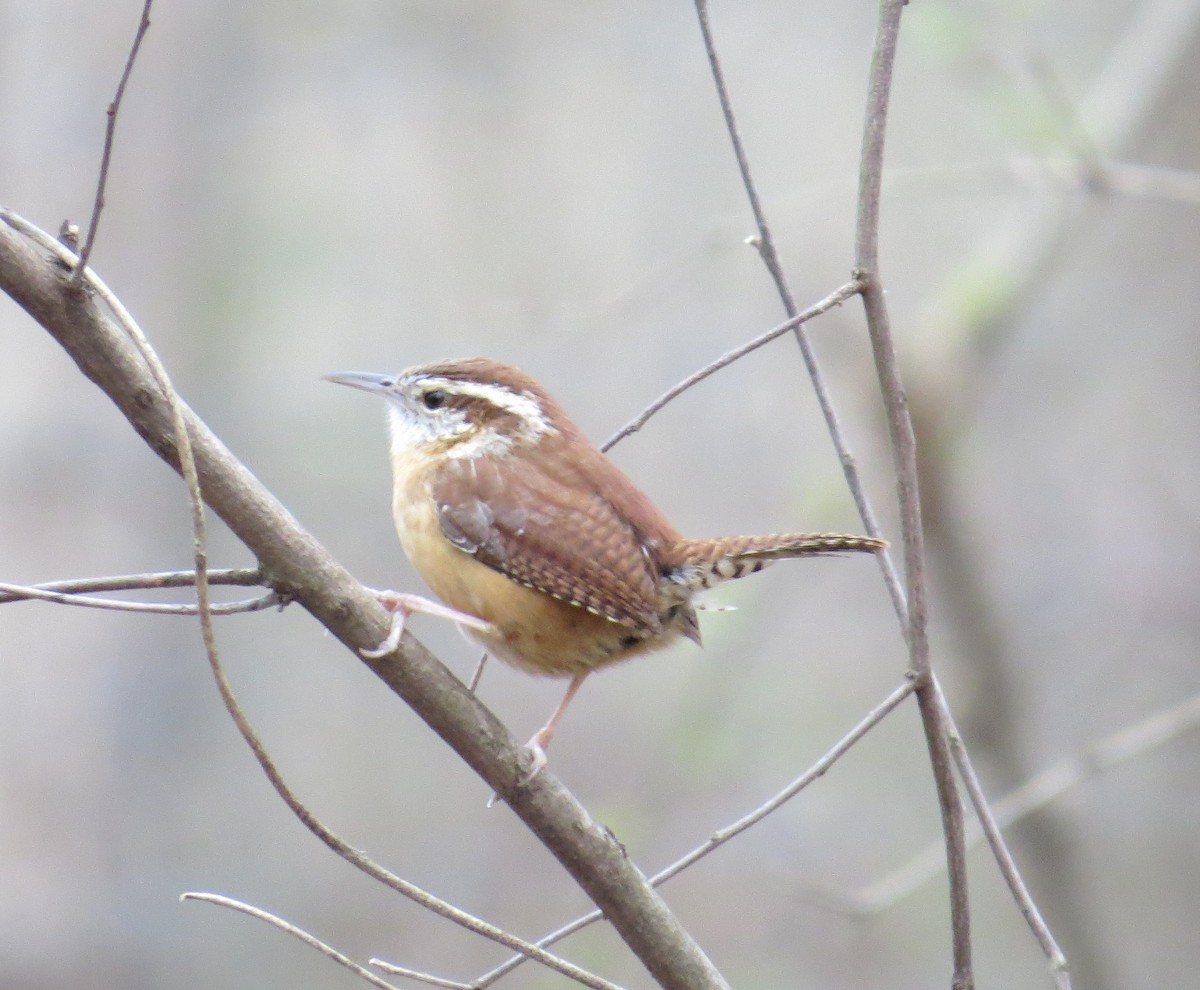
[
  {"x": 483, "y": 659},
  {"x": 402, "y": 605},
  {"x": 541, "y": 739}
]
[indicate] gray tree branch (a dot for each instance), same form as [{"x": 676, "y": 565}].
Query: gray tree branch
[{"x": 296, "y": 565}]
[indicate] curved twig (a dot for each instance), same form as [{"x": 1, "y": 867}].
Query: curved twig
[
  {"x": 298, "y": 933},
  {"x": 244, "y": 577},
  {"x": 20, "y": 593},
  {"x": 295, "y": 564}
]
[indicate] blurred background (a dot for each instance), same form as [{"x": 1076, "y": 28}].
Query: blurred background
[{"x": 308, "y": 187}]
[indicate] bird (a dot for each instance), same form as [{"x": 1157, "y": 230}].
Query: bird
[{"x": 541, "y": 548}]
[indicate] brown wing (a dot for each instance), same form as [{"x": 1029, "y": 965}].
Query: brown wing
[{"x": 560, "y": 536}]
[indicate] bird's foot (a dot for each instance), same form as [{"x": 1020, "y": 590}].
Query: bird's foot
[
  {"x": 402, "y": 605},
  {"x": 537, "y": 749}
]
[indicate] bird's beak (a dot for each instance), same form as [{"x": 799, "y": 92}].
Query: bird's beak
[{"x": 366, "y": 380}]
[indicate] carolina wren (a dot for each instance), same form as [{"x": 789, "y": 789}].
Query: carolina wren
[{"x": 548, "y": 554}]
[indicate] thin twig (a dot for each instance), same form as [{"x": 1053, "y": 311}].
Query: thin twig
[
  {"x": 368, "y": 866},
  {"x": 17, "y": 593},
  {"x": 412, "y": 974},
  {"x": 909, "y": 602},
  {"x": 1022, "y": 255},
  {"x": 817, "y": 770},
  {"x": 477, "y": 673},
  {"x": 1037, "y": 792},
  {"x": 314, "y": 825},
  {"x": 765, "y": 245},
  {"x": 904, "y": 453},
  {"x": 1004, "y": 859},
  {"x": 295, "y": 932},
  {"x": 835, "y": 298},
  {"x": 113, "y": 110},
  {"x": 354, "y": 856},
  {"x": 243, "y": 577},
  {"x": 723, "y": 835}
]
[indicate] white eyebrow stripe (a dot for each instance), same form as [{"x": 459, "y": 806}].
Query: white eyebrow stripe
[{"x": 534, "y": 422}]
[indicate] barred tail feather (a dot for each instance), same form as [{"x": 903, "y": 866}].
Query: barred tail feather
[{"x": 704, "y": 563}]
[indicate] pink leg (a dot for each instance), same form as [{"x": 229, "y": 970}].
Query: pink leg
[
  {"x": 402, "y": 605},
  {"x": 541, "y": 738}
]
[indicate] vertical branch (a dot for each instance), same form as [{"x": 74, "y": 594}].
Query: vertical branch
[
  {"x": 904, "y": 453},
  {"x": 110, "y": 130},
  {"x": 764, "y": 243},
  {"x": 909, "y": 601}
]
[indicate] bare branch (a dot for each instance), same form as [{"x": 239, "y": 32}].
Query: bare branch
[
  {"x": 911, "y": 608},
  {"x": 296, "y": 565},
  {"x": 299, "y": 933},
  {"x": 817, "y": 770},
  {"x": 1035, "y": 173},
  {"x": 18, "y": 592},
  {"x": 473, "y": 683},
  {"x": 904, "y": 454},
  {"x": 114, "y": 109},
  {"x": 342, "y": 848},
  {"x": 765, "y": 245},
  {"x": 721, "y": 836},
  {"x": 412, "y": 974},
  {"x": 835, "y": 298},
  {"x": 1008, "y": 866},
  {"x": 243, "y": 577},
  {"x": 1049, "y": 785}
]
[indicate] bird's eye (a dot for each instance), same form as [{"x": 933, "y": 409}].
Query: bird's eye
[{"x": 434, "y": 398}]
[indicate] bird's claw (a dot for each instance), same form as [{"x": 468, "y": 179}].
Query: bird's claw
[
  {"x": 402, "y": 605},
  {"x": 538, "y": 761},
  {"x": 537, "y": 764}
]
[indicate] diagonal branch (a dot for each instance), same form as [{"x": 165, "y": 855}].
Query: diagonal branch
[
  {"x": 723, "y": 835},
  {"x": 296, "y": 565},
  {"x": 793, "y": 323},
  {"x": 1008, "y": 866},
  {"x": 187, "y": 462},
  {"x": 1048, "y": 785}
]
